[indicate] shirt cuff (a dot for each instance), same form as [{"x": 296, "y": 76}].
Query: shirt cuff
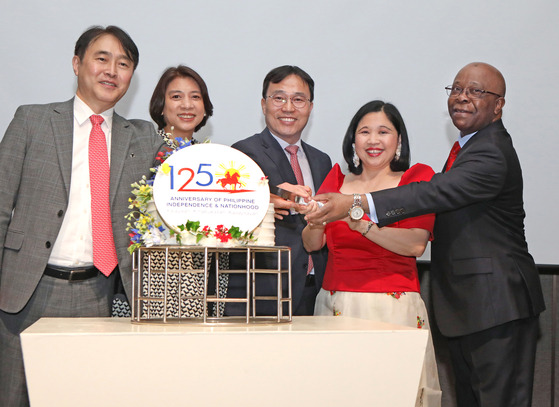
[{"x": 373, "y": 212}]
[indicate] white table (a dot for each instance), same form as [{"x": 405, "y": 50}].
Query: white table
[{"x": 313, "y": 361}]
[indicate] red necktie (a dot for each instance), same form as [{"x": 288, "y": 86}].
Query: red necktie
[
  {"x": 292, "y": 150},
  {"x": 104, "y": 253},
  {"x": 452, "y": 156}
]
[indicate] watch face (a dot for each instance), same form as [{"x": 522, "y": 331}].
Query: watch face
[{"x": 356, "y": 213}]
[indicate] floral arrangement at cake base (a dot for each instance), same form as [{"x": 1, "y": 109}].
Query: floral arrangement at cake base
[{"x": 192, "y": 234}]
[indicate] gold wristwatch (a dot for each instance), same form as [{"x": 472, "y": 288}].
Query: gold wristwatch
[{"x": 356, "y": 211}]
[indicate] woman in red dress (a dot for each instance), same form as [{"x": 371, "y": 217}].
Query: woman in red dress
[{"x": 371, "y": 272}]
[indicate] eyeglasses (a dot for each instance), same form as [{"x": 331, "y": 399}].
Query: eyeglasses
[
  {"x": 280, "y": 99},
  {"x": 471, "y": 92}
]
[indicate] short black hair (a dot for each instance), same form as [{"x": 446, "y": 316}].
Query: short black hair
[
  {"x": 157, "y": 103},
  {"x": 92, "y": 33},
  {"x": 278, "y": 74},
  {"x": 403, "y": 163}
]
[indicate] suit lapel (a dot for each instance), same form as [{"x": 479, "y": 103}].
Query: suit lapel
[
  {"x": 62, "y": 122},
  {"x": 276, "y": 154},
  {"x": 476, "y": 138},
  {"x": 317, "y": 177},
  {"x": 121, "y": 135}
]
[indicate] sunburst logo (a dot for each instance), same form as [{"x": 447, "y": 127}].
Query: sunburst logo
[{"x": 232, "y": 178}]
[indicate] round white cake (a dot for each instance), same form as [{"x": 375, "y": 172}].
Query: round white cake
[{"x": 265, "y": 233}]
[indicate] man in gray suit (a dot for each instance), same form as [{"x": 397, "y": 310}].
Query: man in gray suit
[
  {"x": 49, "y": 263},
  {"x": 287, "y": 102},
  {"x": 485, "y": 286}
]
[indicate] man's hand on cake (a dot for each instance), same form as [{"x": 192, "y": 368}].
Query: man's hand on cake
[{"x": 282, "y": 207}]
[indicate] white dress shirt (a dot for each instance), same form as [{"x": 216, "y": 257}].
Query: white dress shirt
[
  {"x": 302, "y": 158},
  {"x": 303, "y": 164},
  {"x": 74, "y": 246}
]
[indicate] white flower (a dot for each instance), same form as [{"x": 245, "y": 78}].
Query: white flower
[{"x": 153, "y": 237}]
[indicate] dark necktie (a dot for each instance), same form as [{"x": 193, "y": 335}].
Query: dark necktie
[
  {"x": 104, "y": 253},
  {"x": 452, "y": 156},
  {"x": 292, "y": 150}
]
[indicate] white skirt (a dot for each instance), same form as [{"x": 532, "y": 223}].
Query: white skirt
[{"x": 402, "y": 308}]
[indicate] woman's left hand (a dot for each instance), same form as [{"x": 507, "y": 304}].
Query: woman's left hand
[{"x": 353, "y": 224}]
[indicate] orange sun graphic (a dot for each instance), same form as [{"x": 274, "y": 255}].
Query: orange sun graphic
[{"x": 231, "y": 177}]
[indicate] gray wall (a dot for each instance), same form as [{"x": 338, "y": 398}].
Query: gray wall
[{"x": 356, "y": 50}]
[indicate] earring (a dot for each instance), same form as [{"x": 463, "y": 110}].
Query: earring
[
  {"x": 356, "y": 160},
  {"x": 398, "y": 151}
]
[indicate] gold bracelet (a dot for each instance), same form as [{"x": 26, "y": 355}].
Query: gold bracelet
[{"x": 369, "y": 226}]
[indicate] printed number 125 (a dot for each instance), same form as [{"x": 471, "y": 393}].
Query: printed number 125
[{"x": 201, "y": 171}]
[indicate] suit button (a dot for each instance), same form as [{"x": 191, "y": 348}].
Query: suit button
[
  {"x": 60, "y": 213},
  {"x": 47, "y": 245},
  {"x": 305, "y": 266}
]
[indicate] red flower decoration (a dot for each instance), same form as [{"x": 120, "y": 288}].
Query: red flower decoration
[{"x": 222, "y": 234}]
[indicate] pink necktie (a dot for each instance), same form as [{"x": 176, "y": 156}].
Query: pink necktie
[
  {"x": 292, "y": 150},
  {"x": 452, "y": 156},
  {"x": 104, "y": 253}
]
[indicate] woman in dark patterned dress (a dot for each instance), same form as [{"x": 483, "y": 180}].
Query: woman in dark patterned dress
[{"x": 180, "y": 106}]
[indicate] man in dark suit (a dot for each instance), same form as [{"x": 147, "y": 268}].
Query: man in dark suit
[
  {"x": 50, "y": 208},
  {"x": 485, "y": 287},
  {"x": 287, "y": 102}
]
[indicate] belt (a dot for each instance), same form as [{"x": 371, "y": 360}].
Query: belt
[{"x": 70, "y": 274}]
